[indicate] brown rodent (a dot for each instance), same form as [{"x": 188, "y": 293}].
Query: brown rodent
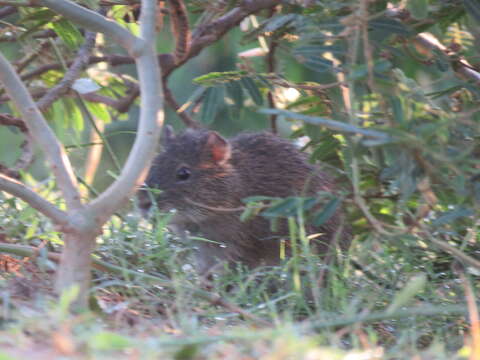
[{"x": 205, "y": 177}]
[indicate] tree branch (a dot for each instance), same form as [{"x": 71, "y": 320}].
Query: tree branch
[
  {"x": 151, "y": 120},
  {"x": 97, "y": 23},
  {"x": 33, "y": 199},
  {"x": 80, "y": 62},
  {"x": 41, "y": 133}
]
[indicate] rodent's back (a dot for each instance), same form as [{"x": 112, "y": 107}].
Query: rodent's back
[{"x": 271, "y": 166}]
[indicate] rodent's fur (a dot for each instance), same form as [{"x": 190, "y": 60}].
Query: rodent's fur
[{"x": 220, "y": 173}]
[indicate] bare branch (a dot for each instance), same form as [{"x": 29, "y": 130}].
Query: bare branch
[
  {"x": 33, "y": 199},
  {"x": 180, "y": 28},
  {"x": 97, "y": 23},
  {"x": 207, "y": 34},
  {"x": 169, "y": 98},
  {"x": 80, "y": 62},
  {"x": 41, "y": 133},
  {"x": 151, "y": 120}
]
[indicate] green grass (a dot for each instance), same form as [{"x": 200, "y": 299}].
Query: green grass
[{"x": 399, "y": 306}]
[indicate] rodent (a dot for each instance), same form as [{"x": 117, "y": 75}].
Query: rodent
[{"x": 205, "y": 177}]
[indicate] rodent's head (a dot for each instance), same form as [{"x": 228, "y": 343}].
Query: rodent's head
[{"x": 193, "y": 170}]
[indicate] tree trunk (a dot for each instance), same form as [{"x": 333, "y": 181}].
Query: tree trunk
[{"x": 75, "y": 266}]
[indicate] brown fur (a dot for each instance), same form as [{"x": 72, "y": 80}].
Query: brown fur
[{"x": 222, "y": 173}]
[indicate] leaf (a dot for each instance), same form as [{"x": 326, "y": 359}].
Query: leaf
[
  {"x": 99, "y": 111},
  {"x": 234, "y": 90},
  {"x": 397, "y": 109},
  {"x": 451, "y": 216},
  {"x": 67, "y": 297},
  {"x": 472, "y": 7},
  {"x": 327, "y": 212},
  {"x": 319, "y": 50},
  {"x": 279, "y": 21},
  {"x": 211, "y": 102},
  {"x": 315, "y": 63},
  {"x": 389, "y": 26},
  {"x": 283, "y": 207},
  {"x": 85, "y": 86},
  {"x": 70, "y": 35},
  {"x": 418, "y": 8},
  {"x": 217, "y": 78},
  {"x": 252, "y": 89},
  {"x": 411, "y": 289},
  {"x": 109, "y": 341},
  {"x": 361, "y": 71},
  {"x": 186, "y": 352}
]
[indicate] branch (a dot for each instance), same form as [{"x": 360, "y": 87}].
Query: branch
[
  {"x": 33, "y": 199},
  {"x": 80, "y": 62},
  {"x": 151, "y": 120},
  {"x": 461, "y": 66},
  {"x": 97, "y": 23},
  {"x": 41, "y": 133},
  {"x": 207, "y": 34},
  {"x": 170, "y": 99},
  {"x": 27, "y": 151},
  {"x": 180, "y": 29}
]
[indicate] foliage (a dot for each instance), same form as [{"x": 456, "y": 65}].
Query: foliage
[{"x": 392, "y": 113}]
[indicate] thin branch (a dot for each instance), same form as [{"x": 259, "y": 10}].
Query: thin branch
[
  {"x": 27, "y": 151},
  {"x": 33, "y": 199},
  {"x": 187, "y": 120},
  {"x": 97, "y": 23},
  {"x": 207, "y": 34},
  {"x": 180, "y": 29},
  {"x": 458, "y": 254},
  {"x": 79, "y": 64},
  {"x": 151, "y": 120},
  {"x": 41, "y": 133}
]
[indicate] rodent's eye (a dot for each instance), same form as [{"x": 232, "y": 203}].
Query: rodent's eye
[{"x": 183, "y": 173}]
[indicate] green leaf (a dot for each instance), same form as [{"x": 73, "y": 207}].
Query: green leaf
[
  {"x": 472, "y": 7},
  {"x": 211, "y": 102},
  {"x": 389, "y": 26},
  {"x": 67, "y": 297},
  {"x": 418, "y": 8},
  {"x": 451, "y": 216},
  {"x": 187, "y": 352},
  {"x": 109, "y": 341},
  {"x": 414, "y": 286},
  {"x": 99, "y": 111},
  {"x": 315, "y": 63},
  {"x": 252, "y": 89},
  {"x": 234, "y": 90},
  {"x": 217, "y": 78},
  {"x": 397, "y": 109},
  {"x": 70, "y": 35},
  {"x": 361, "y": 71},
  {"x": 283, "y": 207},
  {"x": 327, "y": 212}
]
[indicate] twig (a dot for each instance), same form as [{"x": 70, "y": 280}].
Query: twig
[
  {"x": 71, "y": 74},
  {"x": 41, "y": 133},
  {"x": 187, "y": 120},
  {"x": 97, "y": 23},
  {"x": 458, "y": 254},
  {"x": 33, "y": 199},
  {"x": 180, "y": 29},
  {"x": 150, "y": 123}
]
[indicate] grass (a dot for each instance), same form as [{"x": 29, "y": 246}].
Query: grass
[{"x": 405, "y": 302}]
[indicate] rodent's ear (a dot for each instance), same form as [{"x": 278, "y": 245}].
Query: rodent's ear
[
  {"x": 167, "y": 135},
  {"x": 217, "y": 148}
]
